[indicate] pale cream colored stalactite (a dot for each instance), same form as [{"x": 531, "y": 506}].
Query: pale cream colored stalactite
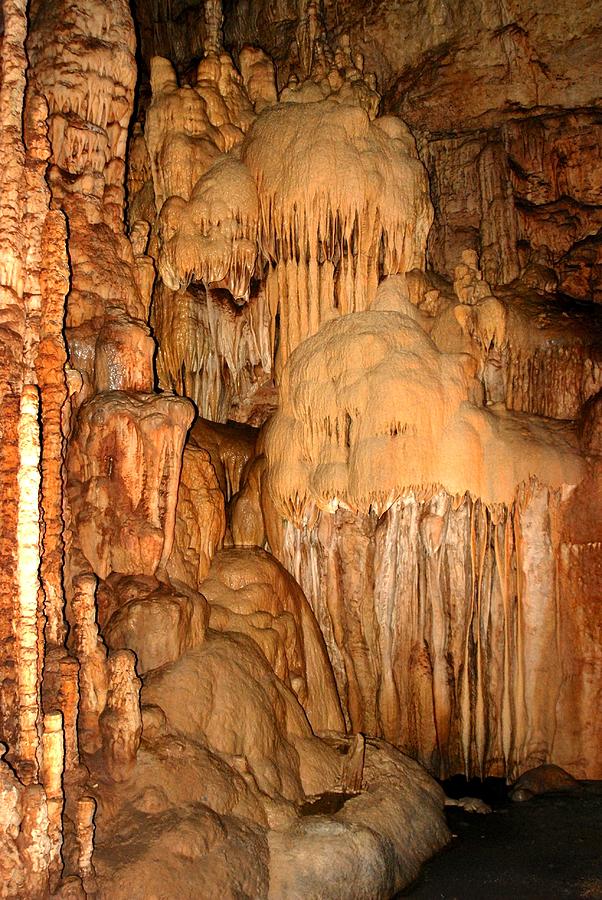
[
  {"x": 28, "y": 564},
  {"x": 212, "y": 238},
  {"x": 345, "y": 203},
  {"x": 92, "y": 657},
  {"x": 53, "y": 764},
  {"x": 343, "y": 192},
  {"x": 121, "y": 720}
]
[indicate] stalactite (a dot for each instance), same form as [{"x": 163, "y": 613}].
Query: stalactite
[
  {"x": 212, "y": 238},
  {"x": 216, "y": 353},
  {"x": 499, "y": 226},
  {"x": 214, "y": 21},
  {"x": 465, "y": 597},
  {"x": 333, "y": 235}
]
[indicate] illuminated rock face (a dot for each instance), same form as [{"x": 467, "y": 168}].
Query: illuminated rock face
[
  {"x": 417, "y": 437},
  {"x": 124, "y": 469},
  {"x": 315, "y": 199},
  {"x": 424, "y": 530}
]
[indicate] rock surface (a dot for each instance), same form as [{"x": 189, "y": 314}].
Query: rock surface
[{"x": 369, "y": 235}]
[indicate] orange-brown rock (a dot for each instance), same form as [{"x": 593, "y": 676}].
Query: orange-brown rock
[
  {"x": 124, "y": 466},
  {"x": 379, "y": 228},
  {"x": 249, "y": 592},
  {"x": 120, "y": 721},
  {"x": 230, "y": 450},
  {"x": 200, "y": 519},
  {"x": 158, "y": 625}
]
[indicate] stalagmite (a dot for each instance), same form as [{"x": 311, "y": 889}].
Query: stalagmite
[
  {"x": 84, "y": 826},
  {"x": 28, "y": 563},
  {"x": 92, "y": 656},
  {"x": 120, "y": 721},
  {"x": 53, "y": 761},
  {"x": 249, "y": 592},
  {"x": 300, "y": 434}
]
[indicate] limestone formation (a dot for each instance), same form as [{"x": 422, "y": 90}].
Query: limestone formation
[
  {"x": 300, "y": 435},
  {"x": 120, "y": 721},
  {"x": 124, "y": 466}
]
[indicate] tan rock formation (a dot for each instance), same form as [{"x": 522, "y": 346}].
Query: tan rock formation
[
  {"x": 124, "y": 466},
  {"x": 342, "y": 549},
  {"x": 374, "y": 411},
  {"x": 158, "y": 625},
  {"x": 412, "y": 307},
  {"x": 200, "y": 519},
  {"x": 249, "y": 592},
  {"x": 120, "y": 721}
]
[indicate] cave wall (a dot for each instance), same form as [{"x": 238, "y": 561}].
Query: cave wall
[
  {"x": 504, "y": 103},
  {"x": 372, "y": 239}
]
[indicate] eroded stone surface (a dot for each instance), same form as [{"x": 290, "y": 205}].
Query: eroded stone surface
[{"x": 391, "y": 249}]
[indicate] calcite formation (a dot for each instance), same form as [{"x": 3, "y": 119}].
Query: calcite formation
[
  {"x": 371, "y": 499},
  {"x": 300, "y": 434},
  {"x": 124, "y": 464}
]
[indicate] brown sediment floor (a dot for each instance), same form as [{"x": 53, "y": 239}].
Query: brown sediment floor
[{"x": 545, "y": 849}]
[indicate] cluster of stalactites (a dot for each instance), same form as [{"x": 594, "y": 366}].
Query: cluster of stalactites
[
  {"x": 187, "y": 128},
  {"x": 370, "y": 411},
  {"x": 467, "y": 615},
  {"x": 325, "y": 197},
  {"x": 343, "y": 202},
  {"x": 212, "y": 239},
  {"x": 211, "y": 351}
]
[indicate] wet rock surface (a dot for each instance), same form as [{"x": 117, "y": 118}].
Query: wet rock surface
[{"x": 548, "y": 847}]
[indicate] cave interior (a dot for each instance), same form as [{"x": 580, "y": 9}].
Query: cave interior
[{"x": 300, "y": 434}]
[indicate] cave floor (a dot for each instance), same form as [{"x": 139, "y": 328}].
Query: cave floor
[{"x": 545, "y": 849}]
